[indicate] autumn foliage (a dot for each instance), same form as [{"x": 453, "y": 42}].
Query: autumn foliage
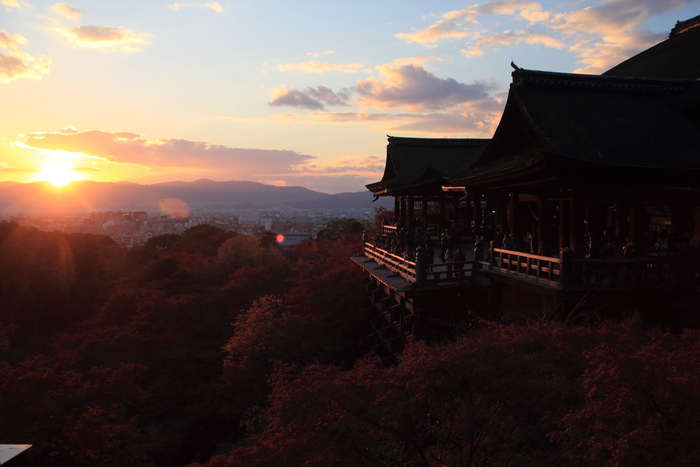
[
  {"x": 211, "y": 348},
  {"x": 504, "y": 395}
]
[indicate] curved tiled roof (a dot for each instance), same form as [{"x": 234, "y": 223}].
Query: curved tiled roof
[
  {"x": 419, "y": 162},
  {"x": 633, "y": 122}
]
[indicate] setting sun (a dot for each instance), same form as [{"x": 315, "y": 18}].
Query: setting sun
[{"x": 58, "y": 175}]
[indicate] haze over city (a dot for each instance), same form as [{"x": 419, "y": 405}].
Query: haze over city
[{"x": 283, "y": 93}]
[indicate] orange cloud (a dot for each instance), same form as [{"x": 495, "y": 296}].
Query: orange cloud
[
  {"x": 608, "y": 33},
  {"x": 105, "y": 38},
  {"x": 67, "y": 11},
  {"x": 16, "y": 63},
  {"x": 169, "y": 154},
  {"x": 320, "y": 67}
]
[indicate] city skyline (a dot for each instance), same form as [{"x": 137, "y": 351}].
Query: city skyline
[{"x": 296, "y": 94}]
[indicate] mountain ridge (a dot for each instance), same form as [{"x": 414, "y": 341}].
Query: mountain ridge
[{"x": 98, "y": 196}]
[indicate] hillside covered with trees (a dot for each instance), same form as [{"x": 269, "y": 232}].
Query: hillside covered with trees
[{"x": 216, "y": 349}]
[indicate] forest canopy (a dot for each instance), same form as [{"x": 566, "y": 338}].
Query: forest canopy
[{"x": 211, "y": 348}]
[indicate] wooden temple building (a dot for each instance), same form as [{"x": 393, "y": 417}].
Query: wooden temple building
[
  {"x": 576, "y": 162},
  {"x": 417, "y": 173}
]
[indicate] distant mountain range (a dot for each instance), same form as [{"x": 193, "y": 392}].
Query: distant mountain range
[{"x": 100, "y": 196}]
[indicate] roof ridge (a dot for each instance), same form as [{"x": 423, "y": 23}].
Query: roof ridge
[
  {"x": 405, "y": 141},
  {"x": 684, "y": 26},
  {"x": 599, "y": 82}
]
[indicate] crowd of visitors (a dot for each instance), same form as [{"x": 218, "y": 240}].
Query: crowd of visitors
[
  {"x": 606, "y": 246},
  {"x": 412, "y": 244}
]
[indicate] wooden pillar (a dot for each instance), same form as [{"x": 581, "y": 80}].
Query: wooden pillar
[
  {"x": 540, "y": 223},
  {"x": 476, "y": 214},
  {"x": 457, "y": 217},
  {"x": 575, "y": 228},
  {"x": 632, "y": 223},
  {"x": 512, "y": 202},
  {"x": 424, "y": 212},
  {"x": 487, "y": 214},
  {"x": 411, "y": 213},
  {"x": 397, "y": 214},
  {"x": 404, "y": 211},
  {"x": 466, "y": 220},
  {"x": 563, "y": 219},
  {"x": 549, "y": 236},
  {"x": 442, "y": 222}
]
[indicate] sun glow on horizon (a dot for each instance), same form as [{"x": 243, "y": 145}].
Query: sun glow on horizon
[{"x": 58, "y": 174}]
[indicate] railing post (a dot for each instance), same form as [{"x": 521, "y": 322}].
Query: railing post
[
  {"x": 365, "y": 238},
  {"x": 563, "y": 266},
  {"x": 491, "y": 253},
  {"x": 420, "y": 267}
]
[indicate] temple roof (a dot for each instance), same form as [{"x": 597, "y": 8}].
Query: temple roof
[
  {"x": 421, "y": 162},
  {"x": 646, "y": 123},
  {"x": 677, "y": 57}
]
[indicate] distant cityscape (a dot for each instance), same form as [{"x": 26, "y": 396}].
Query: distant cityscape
[{"x": 132, "y": 228}]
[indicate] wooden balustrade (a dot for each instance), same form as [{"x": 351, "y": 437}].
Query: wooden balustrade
[
  {"x": 581, "y": 274},
  {"x": 419, "y": 273},
  {"x": 560, "y": 273},
  {"x": 407, "y": 269},
  {"x": 541, "y": 269},
  {"x": 389, "y": 229}
]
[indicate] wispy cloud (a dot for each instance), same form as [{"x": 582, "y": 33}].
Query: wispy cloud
[
  {"x": 318, "y": 54},
  {"x": 309, "y": 98},
  {"x": 105, "y": 38},
  {"x": 10, "y": 3},
  {"x": 471, "y": 13},
  {"x": 5, "y": 169},
  {"x": 479, "y": 42},
  {"x": 473, "y": 119},
  {"x": 442, "y": 30},
  {"x": 212, "y": 6},
  {"x": 16, "y": 63},
  {"x": 600, "y": 36},
  {"x": 321, "y": 67},
  {"x": 67, "y": 11}
]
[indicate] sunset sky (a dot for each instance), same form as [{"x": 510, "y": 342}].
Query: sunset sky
[{"x": 297, "y": 92}]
